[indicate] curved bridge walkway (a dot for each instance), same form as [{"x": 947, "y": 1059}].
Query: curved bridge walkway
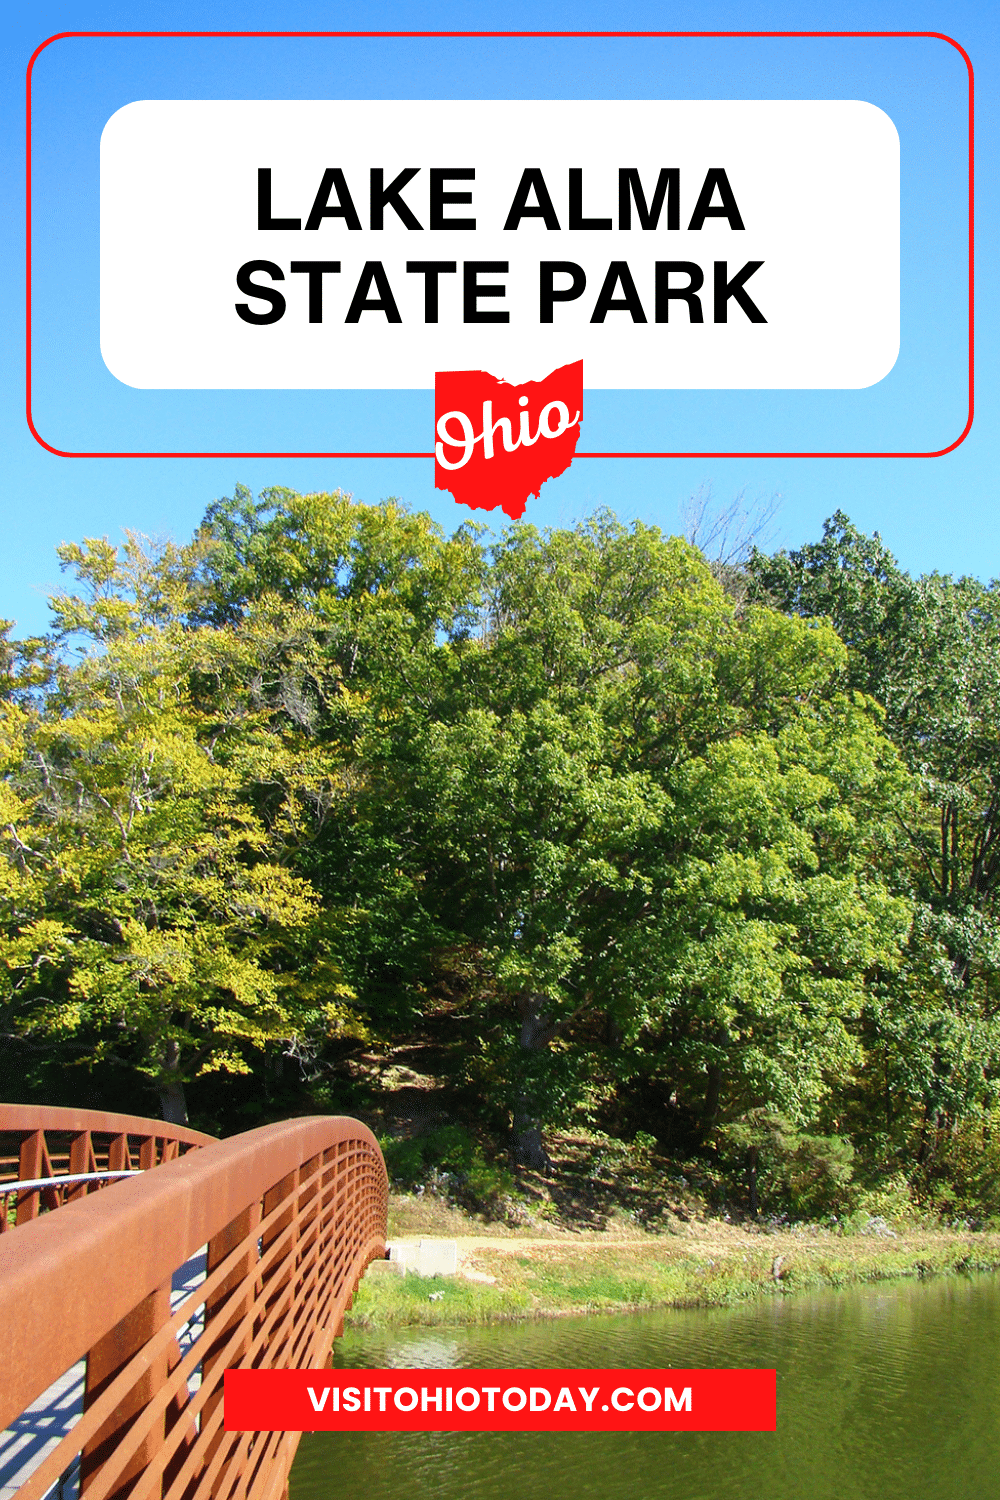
[{"x": 120, "y": 1312}]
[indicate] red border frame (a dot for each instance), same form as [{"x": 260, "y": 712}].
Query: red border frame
[{"x": 931, "y": 35}]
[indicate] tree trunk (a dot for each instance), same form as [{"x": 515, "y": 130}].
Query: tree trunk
[
  {"x": 928, "y": 1136},
  {"x": 536, "y": 1033},
  {"x": 753, "y": 1161},
  {"x": 713, "y": 1098},
  {"x": 529, "y": 1148},
  {"x": 173, "y": 1104}
]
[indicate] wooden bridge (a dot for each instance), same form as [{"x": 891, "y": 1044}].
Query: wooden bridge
[{"x": 138, "y": 1262}]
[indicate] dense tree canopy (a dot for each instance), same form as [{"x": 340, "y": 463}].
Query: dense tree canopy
[
  {"x": 640, "y": 846},
  {"x": 928, "y": 649},
  {"x": 150, "y": 824}
]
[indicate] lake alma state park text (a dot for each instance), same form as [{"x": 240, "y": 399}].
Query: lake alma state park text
[{"x": 680, "y": 282}]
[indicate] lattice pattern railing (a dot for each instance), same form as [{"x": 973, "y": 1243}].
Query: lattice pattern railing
[
  {"x": 291, "y": 1215},
  {"x": 42, "y": 1143}
]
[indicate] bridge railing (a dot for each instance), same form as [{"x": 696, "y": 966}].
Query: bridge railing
[
  {"x": 289, "y": 1217},
  {"x": 87, "y": 1148}
]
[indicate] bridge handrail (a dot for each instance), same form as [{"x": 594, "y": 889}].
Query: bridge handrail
[
  {"x": 89, "y": 1139},
  {"x": 291, "y": 1214},
  {"x": 28, "y": 1117}
]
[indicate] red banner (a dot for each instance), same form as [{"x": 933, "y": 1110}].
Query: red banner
[{"x": 500, "y": 1400}]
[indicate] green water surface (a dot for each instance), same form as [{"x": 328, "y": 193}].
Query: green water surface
[{"x": 884, "y": 1393}]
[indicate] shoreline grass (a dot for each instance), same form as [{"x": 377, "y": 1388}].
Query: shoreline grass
[{"x": 523, "y": 1280}]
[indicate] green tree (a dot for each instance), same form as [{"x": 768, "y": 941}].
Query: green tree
[
  {"x": 302, "y": 777},
  {"x": 151, "y": 912},
  {"x": 928, "y": 649},
  {"x": 651, "y": 819}
]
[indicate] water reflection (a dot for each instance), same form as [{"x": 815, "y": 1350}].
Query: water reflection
[{"x": 883, "y": 1393}]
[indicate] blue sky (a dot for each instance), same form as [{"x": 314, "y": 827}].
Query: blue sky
[{"x": 934, "y": 513}]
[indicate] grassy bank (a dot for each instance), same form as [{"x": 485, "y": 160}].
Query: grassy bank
[{"x": 505, "y": 1279}]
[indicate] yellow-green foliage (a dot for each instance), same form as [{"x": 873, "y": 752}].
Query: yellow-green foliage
[{"x": 148, "y": 904}]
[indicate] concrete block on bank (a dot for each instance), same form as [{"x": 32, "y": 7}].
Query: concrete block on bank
[
  {"x": 427, "y": 1258},
  {"x": 437, "y": 1258},
  {"x": 386, "y": 1268},
  {"x": 400, "y": 1257}
]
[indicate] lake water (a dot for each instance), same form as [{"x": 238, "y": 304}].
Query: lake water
[{"x": 884, "y": 1393}]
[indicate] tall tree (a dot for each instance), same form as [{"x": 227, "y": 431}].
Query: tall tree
[
  {"x": 652, "y": 817},
  {"x": 928, "y": 649},
  {"x": 151, "y": 911}
]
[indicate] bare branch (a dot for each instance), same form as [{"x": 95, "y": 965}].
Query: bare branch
[{"x": 727, "y": 534}]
